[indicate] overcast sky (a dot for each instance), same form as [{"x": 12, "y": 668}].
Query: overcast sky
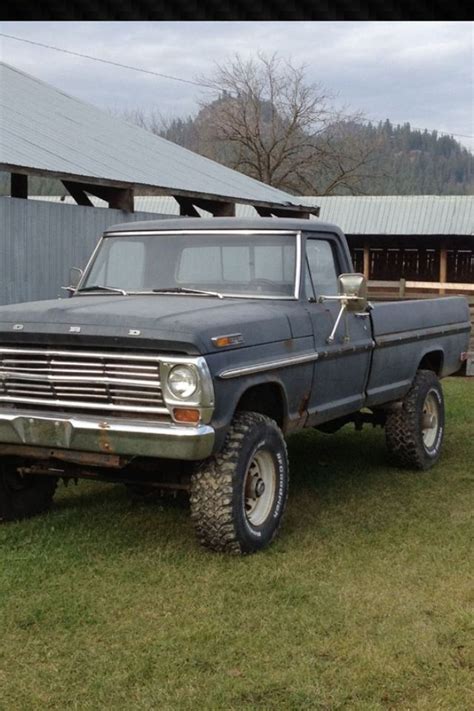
[{"x": 421, "y": 72}]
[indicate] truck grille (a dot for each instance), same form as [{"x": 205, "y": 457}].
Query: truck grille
[{"x": 109, "y": 382}]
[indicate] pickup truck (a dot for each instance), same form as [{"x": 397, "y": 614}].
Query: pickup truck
[{"x": 190, "y": 348}]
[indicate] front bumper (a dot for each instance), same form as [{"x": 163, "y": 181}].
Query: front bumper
[{"x": 111, "y": 436}]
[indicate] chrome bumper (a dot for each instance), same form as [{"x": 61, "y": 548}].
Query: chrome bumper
[{"x": 110, "y": 436}]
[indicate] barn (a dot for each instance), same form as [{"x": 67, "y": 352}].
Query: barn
[
  {"x": 422, "y": 238},
  {"x": 96, "y": 156}
]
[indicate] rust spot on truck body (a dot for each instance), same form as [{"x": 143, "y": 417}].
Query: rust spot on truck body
[
  {"x": 104, "y": 439},
  {"x": 303, "y": 406}
]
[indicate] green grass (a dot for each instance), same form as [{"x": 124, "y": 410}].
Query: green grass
[{"x": 364, "y": 602}]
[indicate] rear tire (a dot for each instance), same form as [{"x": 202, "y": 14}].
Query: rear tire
[
  {"x": 414, "y": 433},
  {"x": 23, "y": 495},
  {"x": 238, "y": 496}
]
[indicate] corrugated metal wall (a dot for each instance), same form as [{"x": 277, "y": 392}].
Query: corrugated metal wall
[{"x": 41, "y": 241}]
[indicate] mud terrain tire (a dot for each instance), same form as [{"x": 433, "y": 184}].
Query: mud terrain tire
[
  {"x": 414, "y": 433},
  {"x": 23, "y": 496},
  {"x": 239, "y": 495}
]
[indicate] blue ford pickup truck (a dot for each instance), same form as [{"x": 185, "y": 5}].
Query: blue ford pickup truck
[{"x": 190, "y": 348}]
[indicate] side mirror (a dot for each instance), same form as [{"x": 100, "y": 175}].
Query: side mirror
[
  {"x": 75, "y": 276},
  {"x": 354, "y": 287}
]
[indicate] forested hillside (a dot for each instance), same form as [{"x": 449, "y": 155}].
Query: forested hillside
[
  {"x": 399, "y": 160},
  {"x": 413, "y": 162}
]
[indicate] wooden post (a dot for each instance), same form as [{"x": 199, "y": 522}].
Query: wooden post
[
  {"x": 224, "y": 209},
  {"x": 402, "y": 288},
  {"x": 19, "y": 185},
  {"x": 443, "y": 267},
  {"x": 186, "y": 207},
  {"x": 366, "y": 261},
  {"x": 121, "y": 199}
]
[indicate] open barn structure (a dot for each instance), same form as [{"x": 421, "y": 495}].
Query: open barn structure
[
  {"x": 48, "y": 133},
  {"x": 424, "y": 238}
]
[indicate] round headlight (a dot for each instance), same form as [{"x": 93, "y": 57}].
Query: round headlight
[{"x": 182, "y": 381}]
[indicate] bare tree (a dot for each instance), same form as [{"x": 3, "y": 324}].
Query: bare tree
[
  {"x": 280, "y": 129},
  {"x": 152, "y": 120}
]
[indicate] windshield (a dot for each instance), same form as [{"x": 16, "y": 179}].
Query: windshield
[{"x": 227, "y": 264}]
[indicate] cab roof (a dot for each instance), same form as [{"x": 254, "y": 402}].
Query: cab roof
[{"x": 225, "y": 223}]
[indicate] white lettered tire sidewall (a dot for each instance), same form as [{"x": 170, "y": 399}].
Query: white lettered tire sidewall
[
  {"x": 270, "y": 440},
  {"x": 218, "y": 493}
]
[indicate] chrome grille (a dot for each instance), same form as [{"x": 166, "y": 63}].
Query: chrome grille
[{"x": 118, "y": 382}]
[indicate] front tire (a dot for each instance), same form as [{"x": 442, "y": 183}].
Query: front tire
[
  {"x": 238, "y": 496},
  {"x": 414, "y": 433},
  {"x": 23, "y": 495}
]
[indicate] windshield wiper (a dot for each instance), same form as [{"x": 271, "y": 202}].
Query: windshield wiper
[
  {"x": 99, "y": 287},
  {"x": 184, "y": 290}
]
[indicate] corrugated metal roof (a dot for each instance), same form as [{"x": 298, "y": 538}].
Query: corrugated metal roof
[
  {"x": 399, "y": 214},
  {"x": 45, "y": 129},
  {"x": 371, "y": 215}
]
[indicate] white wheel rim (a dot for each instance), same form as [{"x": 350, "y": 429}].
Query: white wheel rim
[
  {"x": 259, "y": 488},
  {"x": 430, "y": 420}
]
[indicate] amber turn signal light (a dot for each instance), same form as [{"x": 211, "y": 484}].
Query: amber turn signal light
[
  {"x": 223, "y": 341},
  {"x": 189, "y": 415},
  {"x": 232, "y": 339}
]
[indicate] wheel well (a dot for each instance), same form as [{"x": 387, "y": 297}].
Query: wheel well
[
  {"x": 267, "y": 399},
  {"x": 432, "y": 361}
]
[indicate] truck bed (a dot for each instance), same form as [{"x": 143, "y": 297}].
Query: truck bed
[{"x": 406, "y": 332}]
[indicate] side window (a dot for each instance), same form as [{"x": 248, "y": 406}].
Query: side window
[{"x": 322, "y": 266}]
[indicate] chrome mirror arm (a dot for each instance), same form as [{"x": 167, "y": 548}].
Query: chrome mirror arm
[
  {"x": 332, "y": 335},
  {"x": 344, "y": 299}
]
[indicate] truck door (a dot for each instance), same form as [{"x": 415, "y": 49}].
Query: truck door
[{"x": 341, "y": 371}]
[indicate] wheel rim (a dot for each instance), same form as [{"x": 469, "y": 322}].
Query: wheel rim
[
  {"x": 430, "y": 420},
  {"x": 259, "y": 488}
]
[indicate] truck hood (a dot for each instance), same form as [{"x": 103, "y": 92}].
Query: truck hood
[{"x": 179, "y": 323}]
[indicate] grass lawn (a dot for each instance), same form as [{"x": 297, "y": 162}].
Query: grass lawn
[{"x": 364, "y": 602}]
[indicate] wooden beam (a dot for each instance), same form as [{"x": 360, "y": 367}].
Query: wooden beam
[
  {"x": 217, "y": 207},
  {"x": 436, "y": 285},
  {"x": 19, "y": 185},
  {"x": 122, "y": 199},
  {"x": 147, "y": 189},
  {"x": 297, "y": 214},
  {"x": 224, "y": 209},
  {"x": 77, "y": 193},
  {"x": 117, "y": 198}
]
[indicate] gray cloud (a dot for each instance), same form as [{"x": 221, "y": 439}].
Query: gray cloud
[{"x": 419, "y": 72}]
